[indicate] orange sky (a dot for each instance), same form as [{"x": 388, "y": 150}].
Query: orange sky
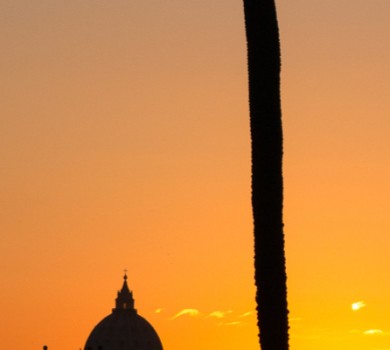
[{"x": 125, "y": 144}]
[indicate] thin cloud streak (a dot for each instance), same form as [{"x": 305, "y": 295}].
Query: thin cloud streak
[
  {"x": 219, "y": 314},
  {"x": 189, "y": 312},
  {"x": 246, "y": 314},
  {"x": 234, "y": 323},
  {"x": 294, "y": 319},
  {"x": 227, "y": 318},
  {"x": 373, "y": 331}
]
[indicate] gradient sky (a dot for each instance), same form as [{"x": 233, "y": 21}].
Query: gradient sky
[{"x": 125, "y": 144}]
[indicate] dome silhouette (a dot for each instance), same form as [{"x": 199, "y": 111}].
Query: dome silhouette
[{"x": 124, "y": 329}]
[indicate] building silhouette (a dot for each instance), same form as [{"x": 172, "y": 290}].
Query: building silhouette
[{"x": 123, "y": 329}]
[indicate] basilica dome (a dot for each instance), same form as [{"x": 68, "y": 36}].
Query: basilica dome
[{"x": 124, "y": 329}]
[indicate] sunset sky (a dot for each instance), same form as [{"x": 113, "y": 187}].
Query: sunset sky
[{"x": 124, "y": 143}]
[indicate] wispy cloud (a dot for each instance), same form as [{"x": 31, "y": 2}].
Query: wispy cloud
[
  {"x": 219, "y": 314},
  {"x": 217, "y": 317},
  {"x": 188, "y": 312},
  {"x": 246, "y": 314},
  {"x": 373, "y": 331},
  {"x": 294, "y": 319},
  {"x": 158, "y": 311},
  {"x": 233, "y": 323},
  {"x": 357, "y": 305}
]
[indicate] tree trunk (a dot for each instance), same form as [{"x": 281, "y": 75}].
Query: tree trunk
[{"x": 267, "y": 180}]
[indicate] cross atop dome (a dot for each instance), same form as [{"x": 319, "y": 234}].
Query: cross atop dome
[{"x": 124, "y": 300}]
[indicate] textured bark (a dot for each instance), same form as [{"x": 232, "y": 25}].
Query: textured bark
[{"x": 264, "y": 65}]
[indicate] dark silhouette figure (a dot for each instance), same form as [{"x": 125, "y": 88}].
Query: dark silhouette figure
[{"x": 267, "y": 181}]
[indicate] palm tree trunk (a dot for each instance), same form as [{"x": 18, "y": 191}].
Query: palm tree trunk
[{"x": 267, "y": 180}]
